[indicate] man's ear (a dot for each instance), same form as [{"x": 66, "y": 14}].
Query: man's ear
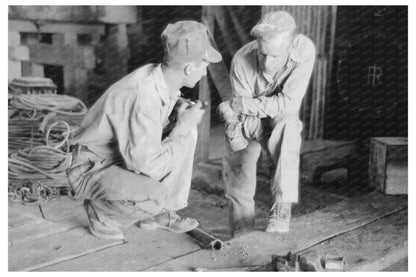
[{"x": 189, "y": 68}]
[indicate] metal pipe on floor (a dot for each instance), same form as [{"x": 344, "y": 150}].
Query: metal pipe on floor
[{"x": 206, "y": 240}]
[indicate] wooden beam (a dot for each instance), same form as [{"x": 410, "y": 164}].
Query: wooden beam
[
  {"x": 220, "y": 76},
  {"x": 31, "y": 27},
  {"x": 202, "y": 148},
  {"x": 237, "y": 25},
  {"x": 218, "y": 71}
]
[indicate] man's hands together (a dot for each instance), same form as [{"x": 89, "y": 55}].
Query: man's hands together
[
  {"x": 237, "y": 104},
  {"x": 189, "y": 116}
]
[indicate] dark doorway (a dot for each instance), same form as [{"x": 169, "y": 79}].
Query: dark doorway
[{"x": 56, "y": 74}]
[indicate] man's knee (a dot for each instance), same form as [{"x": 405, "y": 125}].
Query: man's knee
[{"x": 289, "y": 121}]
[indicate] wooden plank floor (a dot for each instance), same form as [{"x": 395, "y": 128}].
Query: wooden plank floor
[
  {"x": 257, "y": 247},
  {"x": 381, "y": 243},
  {"x": 53, "y": 236}
]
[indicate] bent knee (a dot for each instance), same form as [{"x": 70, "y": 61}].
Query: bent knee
[{"x": 289, "y": 121}]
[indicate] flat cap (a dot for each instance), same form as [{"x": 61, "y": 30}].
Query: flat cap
[
  {"x": 277, "y": 21},
  {"x": 186, "y": 41}
]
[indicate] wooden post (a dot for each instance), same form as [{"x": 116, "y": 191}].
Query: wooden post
[
  {"x": 202, "y": 147},
  {"x": 218, "y": 71}
]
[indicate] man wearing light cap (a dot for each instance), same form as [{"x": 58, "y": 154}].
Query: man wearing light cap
[
  {"x": 124, "y": 164},
  {"x": 269, "y": 78}
]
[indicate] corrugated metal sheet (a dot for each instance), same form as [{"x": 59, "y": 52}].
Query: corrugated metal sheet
[{"x": 317, "y": 23}]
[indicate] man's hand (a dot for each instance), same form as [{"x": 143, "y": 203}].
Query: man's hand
[
  {"x": 189, "y": 116},
  {"x": 237, "y": 105}
]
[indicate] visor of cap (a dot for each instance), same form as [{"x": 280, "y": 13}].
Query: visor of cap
[
  {"x": 268, "y": 28},
  {"x": 212, "y": 55}
]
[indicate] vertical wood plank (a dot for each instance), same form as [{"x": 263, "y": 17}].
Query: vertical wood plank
[{"x": 202, "y": 149}]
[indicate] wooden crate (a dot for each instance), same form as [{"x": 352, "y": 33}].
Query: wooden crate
[{"x": 388, "y": 164}]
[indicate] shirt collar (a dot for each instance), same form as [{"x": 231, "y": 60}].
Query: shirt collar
[
  {"x": 161, "y": 86},
  {"x": 295, "y": 53}
]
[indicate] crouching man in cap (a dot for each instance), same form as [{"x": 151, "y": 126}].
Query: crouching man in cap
[
  {"x": 269, "y": 78},
  {"x": 122, "y": 165}
]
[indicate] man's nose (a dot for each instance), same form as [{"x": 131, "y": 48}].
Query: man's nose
[{"x": 267, "y": 61}]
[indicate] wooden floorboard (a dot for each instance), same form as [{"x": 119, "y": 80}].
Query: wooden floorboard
[
  {"x": 20, "y": 214},
  {"x": 62, "y": 208},
  {"x": 37, "y": 230},
  {"x": 373, "y": 247},
  {"x": 26, "y": 222},
  {"x": 143, "y": 249},
  {"x": 402, "y": 265},
  {"x": 17, "y": 218},
  {"x": 308, "y": 230},
  {"x": 54, "y": 249}
]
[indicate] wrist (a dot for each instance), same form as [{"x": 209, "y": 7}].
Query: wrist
[
  {"x": 179, "y": 130},
  {"x": 237, "y": 105}
]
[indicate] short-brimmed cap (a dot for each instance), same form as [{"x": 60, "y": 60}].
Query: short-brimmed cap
[
  {"x": 186, "y": 41},
  {"x": 278, "y": 21}
]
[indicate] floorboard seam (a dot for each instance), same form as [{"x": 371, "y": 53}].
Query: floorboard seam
[{"x": 70, "y": 257}]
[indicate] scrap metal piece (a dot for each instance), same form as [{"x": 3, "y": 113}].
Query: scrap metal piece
[
  {"x": 311, "y": 261},
  {"x": 334, "y": 262},
  {"x": 285, "y": 263},
  {"x": 206, "y": 240}
]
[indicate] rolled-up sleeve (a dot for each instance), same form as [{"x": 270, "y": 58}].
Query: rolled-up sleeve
[
  {"x": 139, "y": 134},
  {"x": 290, "y": 98},
  {"x": 239, "y": 79}
]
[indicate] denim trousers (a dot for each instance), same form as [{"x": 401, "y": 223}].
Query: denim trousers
[
  {"x": 280, "y": 137},
  {"x": 126, "y": 196}
]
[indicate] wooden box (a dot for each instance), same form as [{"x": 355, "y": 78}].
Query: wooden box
[{"x": 388, "y": 164}]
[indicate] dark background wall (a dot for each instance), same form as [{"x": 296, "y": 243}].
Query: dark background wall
[{"x": 368, "y": 96}]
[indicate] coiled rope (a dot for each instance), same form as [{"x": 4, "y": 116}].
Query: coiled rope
[
  {"x": 45, "y": 164},
  {"x": 41, "y": 162},
  {"x": 30, "y": 115},
  {"x": 60, "y": 104},
  {"x": 38, "y": 171}
]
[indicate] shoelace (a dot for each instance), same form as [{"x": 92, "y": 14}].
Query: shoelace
[{"x": 176, "y": 217}]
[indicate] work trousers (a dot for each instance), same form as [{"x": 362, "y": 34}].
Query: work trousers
[
  {"x": 126, "y": 196},
  {"x": 280, "y": 137}
]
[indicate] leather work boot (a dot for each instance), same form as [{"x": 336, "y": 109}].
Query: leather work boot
[
  {"x": 101, "y": 226},
  {"x": 169, "y": 221},
  {"x": 233, "y": 127},
  {"x": 279, "y": 218}
]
